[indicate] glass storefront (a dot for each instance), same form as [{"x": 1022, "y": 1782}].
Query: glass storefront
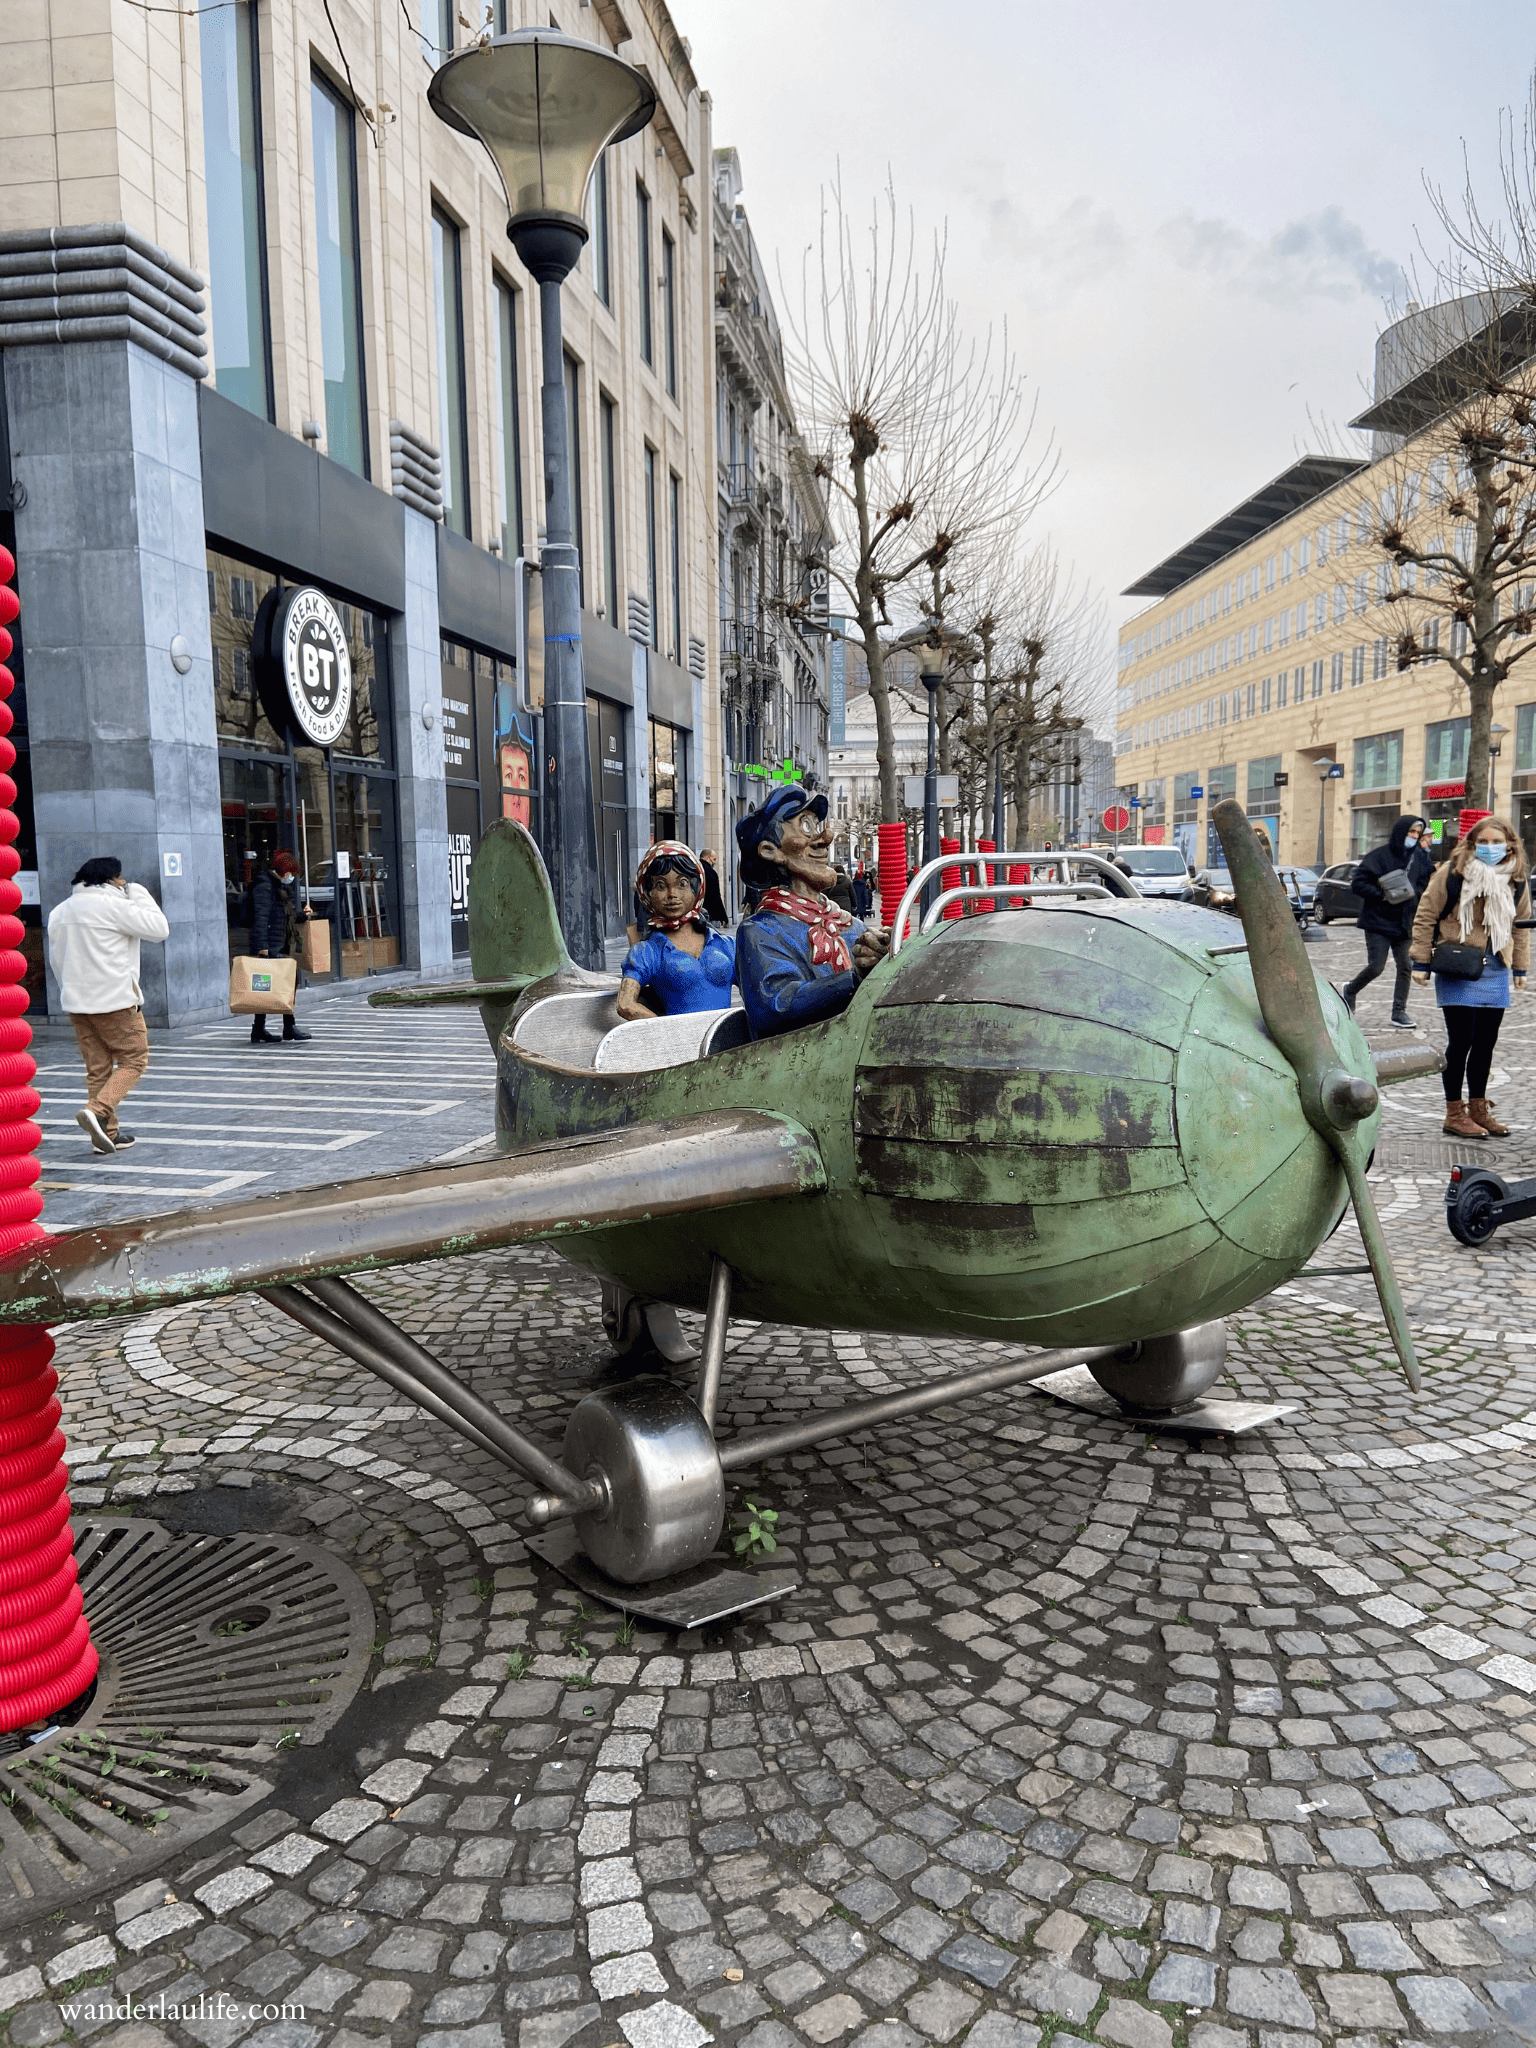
[
  {"x": 335, "y": 811},
  {"x": 489, "y": 747},
  {"x": 609, "y": 761},
  {"x": 1220, "y": 783},
  {"x": 669, "y": 781}
]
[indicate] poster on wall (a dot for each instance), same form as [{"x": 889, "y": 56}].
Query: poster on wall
[
  {"x": 516, "y": 776},
  {"x": 1155, "y": 835}
]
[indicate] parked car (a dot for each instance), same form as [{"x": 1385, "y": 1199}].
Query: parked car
[
  {"x": 1336, "y": 901},
  {"x": 1214, "y": 885},
  {"x": 1159, "y": 871}
]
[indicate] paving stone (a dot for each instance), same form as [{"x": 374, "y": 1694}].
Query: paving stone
[
  {"x": 1183, "y": 1980},
  {"x": 1132, "y": 2026},
  {"x": 1360, "y": 2001},
  {"x": 1269, "y": 1994},
  {"x": 1444, "y": 2005},
  {"x": 1051, "y": 1987}
]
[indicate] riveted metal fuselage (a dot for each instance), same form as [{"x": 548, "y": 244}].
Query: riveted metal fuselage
[{"x": 1052, "y": 1126}]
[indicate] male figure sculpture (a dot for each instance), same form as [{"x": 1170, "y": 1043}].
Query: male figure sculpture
[{"x": 798, "y": 957}]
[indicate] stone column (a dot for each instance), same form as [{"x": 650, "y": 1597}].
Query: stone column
[
  {"x": 102, "y": 345},
  {"x": 416, "y": 667}
]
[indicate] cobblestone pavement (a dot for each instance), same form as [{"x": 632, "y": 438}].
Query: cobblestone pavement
[{"x": 1071, "y": 1734}]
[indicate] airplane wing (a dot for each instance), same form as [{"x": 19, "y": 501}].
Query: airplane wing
[{"x": 716, "y": 1159}]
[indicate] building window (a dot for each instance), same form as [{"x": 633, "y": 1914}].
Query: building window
[
  {"x": 237, "y": 237},
  {"x": 643, "y": 243},
  {"x": 607, "y": 413},
  {"x": 601, "y": 236},
  {"x": 452, "y": 402},
  {"x": 437, "y": 27},
  {"x": 1459, "y": 639},
  {"x": 1336, "y": 675},
  {"x": 1356, "y": 666},
  {"x": 1281, "y": 688},
  {"x": 1301, "y": 620},
  {"x": 1379, "y": 761},
  {"x": 340, "y": 276},
  {"x": 669, "y": 311},
  {"x": 1263, "y": 797},
  {"x": 652, "y": 565},
  {"x": 509, "y": 436},
  {"x": 1378, "y": 659},
  {"x": 1525, "y": 738},
  {"x": 675, "y": 531},
  {"x": 1266, "y": 694},
  {"x": 573, "y": 444},
  {"x": 1445, "y": 749}
]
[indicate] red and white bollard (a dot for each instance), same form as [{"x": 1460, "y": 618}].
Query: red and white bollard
[{"x": 47, "y": 1658}]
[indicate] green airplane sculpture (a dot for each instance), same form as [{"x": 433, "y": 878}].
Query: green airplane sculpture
[{"x": 1096, "y": 1124}]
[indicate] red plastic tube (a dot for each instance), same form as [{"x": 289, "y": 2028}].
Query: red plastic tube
[
  {"x": 39, "y": 1668},
  {"x": 27, "y": 1430},
  {"x": 34, "y": 1638},
  {"x": 17, "y": 1573},
  {"x": 27, "y": 1397},
  {"x": 16, "y": 1367},
  {"x": 20, "y": 1539},
  {"x": 22, "y": 1467},
  {"x": 43, "y": 1597},
  {"x": 21, "y": 1503},
  {"x": 20, "y": 1710}
]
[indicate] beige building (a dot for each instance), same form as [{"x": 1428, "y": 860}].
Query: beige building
[
  {"x": 261, "y": 326},
  {"x": 1265, "y": 666}
]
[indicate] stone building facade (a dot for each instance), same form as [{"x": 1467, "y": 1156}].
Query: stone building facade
[
  {"x": 772, "y": 536},
  {"x": 261, "y": 327},
  {"x": 1265, "y": 665}
]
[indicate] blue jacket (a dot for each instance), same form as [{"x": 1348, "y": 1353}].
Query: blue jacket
[{"x": 779, "y": 984}]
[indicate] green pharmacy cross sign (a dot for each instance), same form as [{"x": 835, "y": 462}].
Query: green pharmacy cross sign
[{"x": 785, "y": 772}]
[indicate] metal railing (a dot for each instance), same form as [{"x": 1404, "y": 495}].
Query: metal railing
[{"x": 1113, "y": 882}]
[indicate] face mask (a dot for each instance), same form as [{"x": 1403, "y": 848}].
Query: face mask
[{"x": 1492, "y": 855}]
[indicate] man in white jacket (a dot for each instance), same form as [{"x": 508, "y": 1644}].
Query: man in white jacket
[{"x": 93, "y": 942}]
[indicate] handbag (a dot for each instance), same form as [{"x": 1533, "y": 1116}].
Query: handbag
[
  {"x": 262, "y": 988},
  {"x": 1395, "y": 887},
  {"x": 1460, "y": 962}
]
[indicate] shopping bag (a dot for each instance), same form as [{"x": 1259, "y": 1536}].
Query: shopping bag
[
  {"x": 315, "y": 945},
  {"x": 262, "y": 988}
]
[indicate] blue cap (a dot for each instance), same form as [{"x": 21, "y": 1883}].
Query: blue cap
[{"x": 787, "y": 801}]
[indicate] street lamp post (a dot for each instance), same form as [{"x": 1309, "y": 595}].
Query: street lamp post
[
  {"x": 545, "y": 106},
  {"x": 930, "y": 668},
  {"x": 1495, "y": 735},
  {"x": 1324, "y": 772}
]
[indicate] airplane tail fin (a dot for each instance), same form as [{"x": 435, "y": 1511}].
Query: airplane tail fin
[{"x": 514, "y": 932}]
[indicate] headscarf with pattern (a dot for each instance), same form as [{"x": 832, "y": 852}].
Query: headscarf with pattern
[{"x": 682, "y": 858}]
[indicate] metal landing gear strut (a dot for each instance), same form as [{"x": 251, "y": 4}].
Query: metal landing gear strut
[{"x": 641, "y": 1475}]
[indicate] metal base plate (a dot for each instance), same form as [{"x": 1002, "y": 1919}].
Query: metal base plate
[
  {"x": 1078, "y": 1386},
  {"x": 691, "y": 1599}
]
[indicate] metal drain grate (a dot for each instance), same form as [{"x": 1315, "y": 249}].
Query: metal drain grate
[
  {"x": 217, "y": 1652},
  {"x": 1431, "y": 1155}
]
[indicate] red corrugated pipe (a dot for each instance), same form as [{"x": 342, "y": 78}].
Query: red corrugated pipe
[{"x": 47, "y": 1658}]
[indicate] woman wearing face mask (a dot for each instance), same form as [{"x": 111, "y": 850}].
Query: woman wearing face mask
[
  {"x": 680, "y": 964},
  {"x": 1473, "y": 901},
  {"x": 1387, "y": 925}
]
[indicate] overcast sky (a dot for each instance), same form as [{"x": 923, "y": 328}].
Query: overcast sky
[{"x": 1191, "y": 217}]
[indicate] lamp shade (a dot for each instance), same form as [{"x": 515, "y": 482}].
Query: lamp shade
[{"x": 545, "y": 106}]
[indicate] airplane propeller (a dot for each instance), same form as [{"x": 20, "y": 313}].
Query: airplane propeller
[{"x": 1333, "y": 1100}]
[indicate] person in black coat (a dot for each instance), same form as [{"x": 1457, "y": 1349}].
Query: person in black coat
[
  {"x": 1387, "y": 926},
  {"x": 714, "y": 902},
  {"x": 274, "y": 915}
]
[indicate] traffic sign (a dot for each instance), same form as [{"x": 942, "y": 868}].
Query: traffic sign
[
  {"x": 1336, "y": 771},
  {"x": 1117, "y": 819},
  {"x": 1195, "y": 793},
  {"x": 1138, "y": 803}
]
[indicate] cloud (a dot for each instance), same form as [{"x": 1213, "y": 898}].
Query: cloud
[{"x": 1321, "y": 255}]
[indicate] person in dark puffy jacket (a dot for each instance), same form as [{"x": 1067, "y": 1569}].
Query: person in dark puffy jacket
[
  {"x": 1387, "y": 925},
  {"x": 274, "y": 917}
]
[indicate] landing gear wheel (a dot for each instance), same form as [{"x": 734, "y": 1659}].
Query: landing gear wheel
[
  {"x": 654, "y": 1454},
  {"x": 1167, "y": 1375},
  {"x": 1470, "y": 1218},
  {"x": 644, "y": 1333}
]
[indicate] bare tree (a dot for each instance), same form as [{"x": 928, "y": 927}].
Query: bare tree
[
  {"x": 921, "y": 434},
  {"x": 1456, "y": 521}
]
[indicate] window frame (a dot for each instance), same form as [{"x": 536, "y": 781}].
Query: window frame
[
  {"x": 643, "y": 253},
  {"x": 452, "y": 368},
  {"x": 652, "y": 547},
  {"x": 509, "y": 404},
  {"x": 251, "y": 14},
  {"x": 608, "y": 489},
  {"x": 322, "y": 86},
  {"x": 669, "y": 313}
]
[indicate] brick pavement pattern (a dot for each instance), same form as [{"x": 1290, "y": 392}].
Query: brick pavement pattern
[{"x": 1072, "y": 1733}]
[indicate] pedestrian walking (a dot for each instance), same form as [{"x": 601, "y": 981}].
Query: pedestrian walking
[
  {"x": 1389, "y": 881},
  {"x": 863, "y": 895},
  {"x": 275, "y": 915},
  {"x": 841, "y": 891},
  {"x": 1466, "y": 934},
  {"x": 714, "y": 898},
  {"x": 93, "y": 942}
]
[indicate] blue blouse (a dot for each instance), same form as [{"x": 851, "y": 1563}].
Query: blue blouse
[{"x": 680, "y": 982}]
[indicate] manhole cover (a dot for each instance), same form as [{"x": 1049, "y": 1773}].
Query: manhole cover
[
  {"x": 217, "y": 1653},
  {"x": 1431, "y": 1155}
]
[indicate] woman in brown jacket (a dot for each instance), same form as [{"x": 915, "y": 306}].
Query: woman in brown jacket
[{"x": 1474, "y": 899}]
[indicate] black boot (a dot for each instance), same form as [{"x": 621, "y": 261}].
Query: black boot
[
  {"x": 291, "y": 1030},
  {"x": 260, "y": 1035}
]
